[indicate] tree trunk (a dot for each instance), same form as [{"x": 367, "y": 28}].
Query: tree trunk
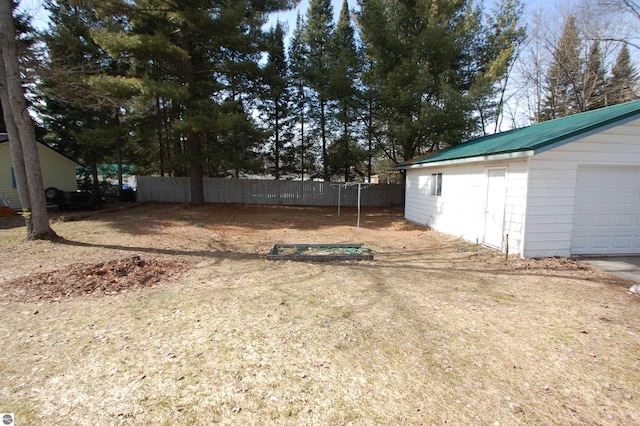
[
  {"x": 302, "y": 147},
  {"x": 276, "y": 153},
  {"x": 370, "y": 140},
  {"x": 160, "y": 136},
  {"x": 95, "y": 178},
  {"x": 24, "y": 131},
  {"x": 323, "y": 132},
  {"x": 347, "y": 160},
  {"x": 195, "y": 165},
  {"x": 19, "y": 171},
  {"x": 193, "y": 137}
]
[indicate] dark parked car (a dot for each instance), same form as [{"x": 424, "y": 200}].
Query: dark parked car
[{"x": 72, "y": 199}]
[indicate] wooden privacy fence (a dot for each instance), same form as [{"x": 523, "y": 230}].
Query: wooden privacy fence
[{"x": 280, "y": 192}]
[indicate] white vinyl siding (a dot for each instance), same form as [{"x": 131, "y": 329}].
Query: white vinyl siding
[
  {"x": 552, "y": 185},
  {"x": 516, "y": 204},
  {"x": 541, "y": 197},
  {"x": 461, "y": 207}
]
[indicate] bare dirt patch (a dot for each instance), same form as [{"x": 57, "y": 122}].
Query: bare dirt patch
[{"x": 434, "y": 330}]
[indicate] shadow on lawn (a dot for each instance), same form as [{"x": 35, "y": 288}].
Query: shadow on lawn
[
  {"x": 215, "y": 254},
  {"x": 490, "y": 264},
  {"x": 416, "y": 261},
  {"x": 148, "y": 218},
  {"x": 10, "y": 222}
]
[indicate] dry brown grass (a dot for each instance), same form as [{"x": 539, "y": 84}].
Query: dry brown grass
[{"x": 433, "y": 331}]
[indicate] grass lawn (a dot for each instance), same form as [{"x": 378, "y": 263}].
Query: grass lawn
[{"x": 167, "y": 314}]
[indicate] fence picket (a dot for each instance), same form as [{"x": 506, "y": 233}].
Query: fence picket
[{"x": 273, "y": 192}]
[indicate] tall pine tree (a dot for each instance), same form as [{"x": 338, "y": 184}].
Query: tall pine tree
[
  {"x": 431, "y": 59},
  {"x": 318, "y": 35},
  {"x": 82, "y": 122},
  {"x": 345, "y": 64},
  {"x": 277, "y": 99},
  {"x": 212, "y": 48},
  {"x": 623, "y": 84},
  {"x": 565, "y": 76},
  {"x": 594, "y": 80},
  {"x": 298, "y": 54}
]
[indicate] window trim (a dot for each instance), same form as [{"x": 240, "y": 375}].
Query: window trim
[{"x": 436, "y": 185}]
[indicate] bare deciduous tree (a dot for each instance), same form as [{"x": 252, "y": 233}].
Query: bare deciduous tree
[{"x": 603, "y": 26}]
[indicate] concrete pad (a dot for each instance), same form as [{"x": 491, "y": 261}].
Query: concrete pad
[{"x": 627, "y": 267}]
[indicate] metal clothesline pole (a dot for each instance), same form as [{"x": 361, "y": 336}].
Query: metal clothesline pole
[
  {"x": 359, "y": 188},
  {"x": 346, "y": 184}
]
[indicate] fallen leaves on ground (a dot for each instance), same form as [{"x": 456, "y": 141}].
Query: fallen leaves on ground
[{"x": 104, "y": 278}]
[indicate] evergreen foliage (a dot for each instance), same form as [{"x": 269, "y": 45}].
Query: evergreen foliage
[
  {"x": 297, "y": 57},
  {"x": 318, "y": 35},
  {"x": 304, "y": 153},
  {"x": 564, "y": 77},
  {"x": 594, "y": 80},
  {"x": 623, "y": 84},
  {"x": 434, "y": 62},
  {"x": 277, "y": 105},
  {"x": 343, "y": 79},
  {"x": 185, "y": 70},
  {"x": 577, "y": 83},
  {"x": 203, "y": 88}
]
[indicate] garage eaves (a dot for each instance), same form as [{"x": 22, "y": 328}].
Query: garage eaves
[{"x": 530, "y": 140}]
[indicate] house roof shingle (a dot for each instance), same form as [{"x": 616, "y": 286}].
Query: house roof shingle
[{"x": 533, "y": 138}]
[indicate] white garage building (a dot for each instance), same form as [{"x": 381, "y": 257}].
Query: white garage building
[{"x": 565, "y": 187}]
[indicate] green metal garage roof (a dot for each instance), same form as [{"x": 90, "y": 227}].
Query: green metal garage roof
[{"x": 532, "y": 139}]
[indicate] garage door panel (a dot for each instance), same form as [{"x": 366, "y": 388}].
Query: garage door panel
[
  {"x": 601, "y": 220},
  {"x": 624, "y": 220},
  {"x": 625, "y": 242},
  {"x": 606, "y": 218},
  {"x": 600, "y": 242},
  {"x": 627, "y": 178},
  {"x": 600, "y": 179},
  {"x": 600, "y": 199},
  {"x": 627, "y": 199}
]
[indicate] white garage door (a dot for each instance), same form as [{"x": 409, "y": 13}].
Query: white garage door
[{"x": 606, "y": 218}]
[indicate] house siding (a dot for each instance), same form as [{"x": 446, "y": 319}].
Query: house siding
[
  {"x": 552, "y": 188},
  {"x": 57, "y": 171},
  {"x": 516, "y": 204},
  {"x": 461, "y": 207},
  {"x": 6, "y": 180}
]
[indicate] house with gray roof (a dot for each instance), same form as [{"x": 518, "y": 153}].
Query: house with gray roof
[{"x": 564, "y": 187}]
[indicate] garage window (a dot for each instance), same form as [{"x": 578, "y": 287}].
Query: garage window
[{"x": 436, "y": 184}]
